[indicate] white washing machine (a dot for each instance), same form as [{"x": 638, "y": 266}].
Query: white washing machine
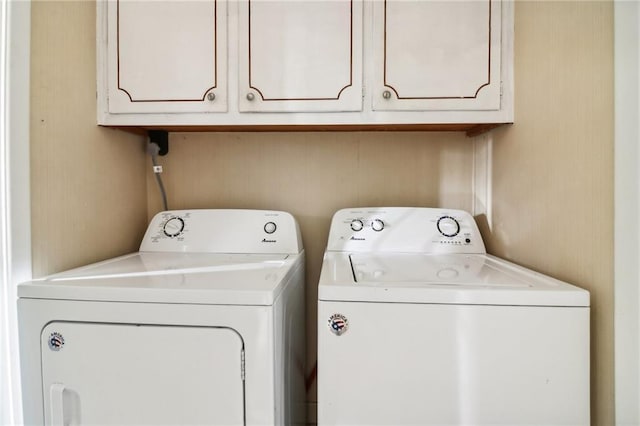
[
  {"x": 203, "y": 326},
  {"x": 419, "y": 326}
]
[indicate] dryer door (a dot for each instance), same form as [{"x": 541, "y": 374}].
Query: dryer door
[{"x": 128, "y": 374}]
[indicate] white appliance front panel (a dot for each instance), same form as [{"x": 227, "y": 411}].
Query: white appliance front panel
[
  {"x": 128, "y": 374},
  {"x": 409, "y": 364},
  {"x": 256, "y": 325}
]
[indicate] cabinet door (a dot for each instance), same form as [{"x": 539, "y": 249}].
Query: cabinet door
[
  {"x": 437, "y": 55},
  {"x": 166, "y": 56},
  {"x": 300, "y": 55}
]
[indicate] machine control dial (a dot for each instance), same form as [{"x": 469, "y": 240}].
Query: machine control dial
[
  {"x": 270, "y": 227},
  {"x": 173, "y": 227},
  {"x": 377, "y": 225},
  {"x": 357, "y": 225},
  {"x": 448, "y": 226}
]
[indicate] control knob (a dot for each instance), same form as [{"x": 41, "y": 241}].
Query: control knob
[
  {"x": 173, "y": 227},
  {"x": 270, "y": 227},
  {"x": 377, "y": 225},
  {"x": 448, "y": 226},
  {"x": 357, "y": 225}
]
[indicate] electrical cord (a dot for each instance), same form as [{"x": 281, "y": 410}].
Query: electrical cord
[{"x": 153, "y": 149}]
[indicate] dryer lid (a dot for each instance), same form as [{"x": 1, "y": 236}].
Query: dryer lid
[
  {"x": 450, "y": 279},
  {"x": 147, "y": 277}
]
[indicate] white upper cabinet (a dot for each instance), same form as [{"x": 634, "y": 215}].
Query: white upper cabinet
[
  {"x": 166, "y": 56},
  {"x": 424, "y": 64},
  {"x": 436, "y": 55},
  {"x": 300, "y": 55}
]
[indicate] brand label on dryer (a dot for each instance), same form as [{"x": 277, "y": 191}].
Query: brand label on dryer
[{"x": 338, "y": 324}]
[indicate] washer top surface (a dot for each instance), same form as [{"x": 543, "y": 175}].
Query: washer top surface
[
  {"x": 190, "y": 257},
  {"x": 478, "y": 279},
  {"x": 427, "y": 256}
]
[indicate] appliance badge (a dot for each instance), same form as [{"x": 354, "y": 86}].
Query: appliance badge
[
  {"x": 56, "y": 341},
  {"x": 338, "y": 324}
]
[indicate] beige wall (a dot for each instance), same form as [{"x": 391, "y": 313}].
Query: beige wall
[
  {"x": 553, "y": 169},
  {"x": 88, "y": 187},
  {"x": 552, "y": 179}
]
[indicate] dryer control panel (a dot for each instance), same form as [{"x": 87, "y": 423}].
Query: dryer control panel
[
  {"x": 404, "y": 229},
  {"x": 223, "y": 231}
]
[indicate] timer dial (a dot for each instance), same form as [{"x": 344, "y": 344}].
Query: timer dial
[
  {"x": 270, "y": 227},
  {"x": 448, "y": 226},
  {"x": 173, "y": 227}
]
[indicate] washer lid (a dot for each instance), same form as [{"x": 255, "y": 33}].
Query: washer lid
[
  {"x": 448, "y": 279},
  {"x": 200, "y": 278}
]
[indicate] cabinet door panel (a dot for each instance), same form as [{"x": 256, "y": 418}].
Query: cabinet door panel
[
  {"x": 167, "y": 56},
  {"x": 300, "y": 55},
  {"x": 437, "y": 55}
]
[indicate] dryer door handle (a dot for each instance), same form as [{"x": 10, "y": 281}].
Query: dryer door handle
[{"x": 56, "y": 394}]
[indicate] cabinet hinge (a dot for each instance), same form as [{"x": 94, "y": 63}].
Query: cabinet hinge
[
  {"x": 501, "y": 88},
  {"x": 242, "y": 363}
]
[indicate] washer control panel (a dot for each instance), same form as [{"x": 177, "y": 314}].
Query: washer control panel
[
  {"x": 404, "y": 229},
  {"x": 223, "y": 231}
]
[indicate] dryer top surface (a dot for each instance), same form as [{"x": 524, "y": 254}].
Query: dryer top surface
[{"x": 196, "y": 278}]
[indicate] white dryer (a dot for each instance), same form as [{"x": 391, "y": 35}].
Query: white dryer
[
  {"x": 419, "y": 326},
  {"x": 203, "y": 326}
]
